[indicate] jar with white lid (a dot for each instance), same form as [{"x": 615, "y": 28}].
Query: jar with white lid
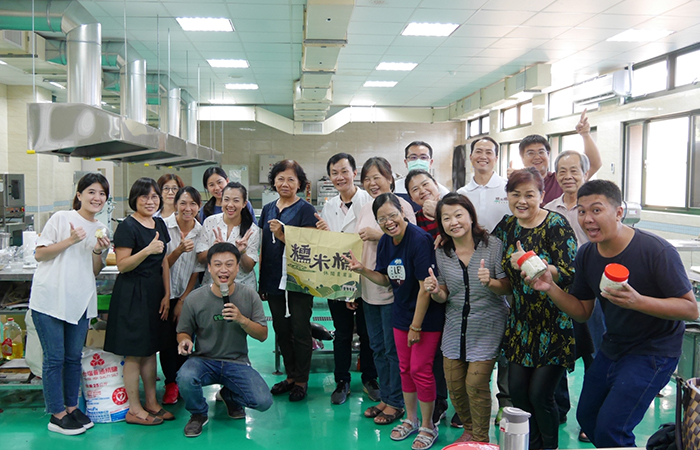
[
  {"x": 613, "y": 276},
  {"x": 532, "y": 265}
]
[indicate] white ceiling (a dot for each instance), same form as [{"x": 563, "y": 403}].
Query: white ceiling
[{"x": 496, "y": 38}]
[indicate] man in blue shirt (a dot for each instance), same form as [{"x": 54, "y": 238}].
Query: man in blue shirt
[{"x": 644, "y": 318}]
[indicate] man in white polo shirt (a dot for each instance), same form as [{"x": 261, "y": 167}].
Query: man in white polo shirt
[{"x": 487, "y": 189}]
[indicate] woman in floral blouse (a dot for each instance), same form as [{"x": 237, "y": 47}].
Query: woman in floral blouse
[{"x": 539, "y": 339}]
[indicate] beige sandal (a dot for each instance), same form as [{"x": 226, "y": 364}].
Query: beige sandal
[
  {"x": 425, "y": 440},
  {"x": 404, "y": 429}
]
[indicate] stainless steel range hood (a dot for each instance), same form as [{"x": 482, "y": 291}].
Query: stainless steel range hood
[
  {"x": 80, "y": 127},
  {"x": 81, "y": 130}
]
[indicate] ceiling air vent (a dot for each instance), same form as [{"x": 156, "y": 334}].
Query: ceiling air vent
[
  {"x": 312, "y": 127},
  {"x": 13, "y": 37}
]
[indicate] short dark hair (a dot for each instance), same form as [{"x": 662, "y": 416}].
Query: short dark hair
[
  {"x": 382, "y": 165},
  {"x": 281, "y": 166},
  {"x": 485, "y": 138},
  {"x": 478, "y": 233},
  {"x": 171, "y": 177},
  {"x": 85, "y": 182},
  {"x": 417, "y": 144},
  {"x": 601, "y": 187},
  {"x": 383, "y": 199},
  {"x": 143, "y": 186},
  {"x": 223, "y": 247},
  {"x": 526, "y": 175},
  {"x": 337, "y": 158},
  {"x": 415, "y": 173},
  {"x": 533, "y": 139},
  {"x": 194, "y": 193}
]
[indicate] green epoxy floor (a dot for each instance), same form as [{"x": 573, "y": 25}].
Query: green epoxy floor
[{"x": 307, "y": 425}]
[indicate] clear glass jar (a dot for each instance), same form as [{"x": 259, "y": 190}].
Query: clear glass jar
[
  {"x": 613, "y": 276},
  {"x": 532, "y": 265}
]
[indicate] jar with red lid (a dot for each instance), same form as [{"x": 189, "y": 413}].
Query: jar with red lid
[
  {"x": 613, "y": 276},
  {"x": 532, "y": 265}
]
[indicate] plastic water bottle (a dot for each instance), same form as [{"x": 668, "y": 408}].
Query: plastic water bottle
[{"x": 12, "y": 345}]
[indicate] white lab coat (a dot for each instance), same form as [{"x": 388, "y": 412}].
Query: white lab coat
[{"x": 334, "y": 217}]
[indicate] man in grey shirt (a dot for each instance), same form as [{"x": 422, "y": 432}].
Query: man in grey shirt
[{"x": 220, "y": 325}]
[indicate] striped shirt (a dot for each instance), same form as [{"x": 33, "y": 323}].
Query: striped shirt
[
  {"x": 431, "y": 226},
  {"x": 479, "y": 339},
  {"x": 186, "y": 264}
]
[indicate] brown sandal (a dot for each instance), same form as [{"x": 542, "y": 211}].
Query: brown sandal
[
  {"x": 372, "y": 412},
  {"x": 136, "y": 420},
  {"x": 385, "y": 419},
  {"x": 163, "y": 414}
]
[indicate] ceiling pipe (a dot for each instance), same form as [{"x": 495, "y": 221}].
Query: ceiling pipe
[
  {"x": 174, "y": 112},
  {"x": 83, "y": 41},
  {"x": 133, "y": 92},
  {"x": 191, "y": 127}
]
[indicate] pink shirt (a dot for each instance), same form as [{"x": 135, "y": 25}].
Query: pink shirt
[{"x": 373, "y": 293}]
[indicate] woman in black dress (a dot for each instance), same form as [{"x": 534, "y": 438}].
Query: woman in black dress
[{"x": 140, "y": 300}]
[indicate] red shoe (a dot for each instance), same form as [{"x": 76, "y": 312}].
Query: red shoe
[{"x": 171, "y": 394}]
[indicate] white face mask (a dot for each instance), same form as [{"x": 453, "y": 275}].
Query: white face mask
[{"x": 419, "y": 164}]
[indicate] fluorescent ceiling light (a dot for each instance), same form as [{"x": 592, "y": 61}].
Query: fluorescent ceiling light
[
  {"x": 229, "y": 63},
  {"x": 386, "y": 84},
  {"x": 60, "y": 86},
  {"x": 241, "y": 86},
  {"x": 429, "y": 29},
  {"x": 407, "y": 67},
  {"x": 633, "y": 35},
  {"x": 362, "y": 103},
  {"x": 205, "y": 24}
]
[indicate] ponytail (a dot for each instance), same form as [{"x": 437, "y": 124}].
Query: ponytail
[{"x": 208, "y": 208}]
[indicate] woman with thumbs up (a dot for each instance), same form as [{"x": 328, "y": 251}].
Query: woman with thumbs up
[
  {"x": 63, "y": 299},
  {"x": 404, "y": 258},
  {"x": 472, "y": 283},
  {"x": 140, "y": 300},
  {"x": 539, "y": 338},
  {"x": 185, "y": 233}
]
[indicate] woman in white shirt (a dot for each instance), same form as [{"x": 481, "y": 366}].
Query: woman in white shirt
[
  {"x": 235, "y": 225},
  {"x": 70, "y": 253},
  {"x": 185, "y": 233}
]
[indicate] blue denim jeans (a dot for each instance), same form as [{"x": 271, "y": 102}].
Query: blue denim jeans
[
  {"x": 616, "y": 394},
  {"x": 243, "y": 385},
  {"x": 62, "y": 344},
  {"x": 386, "y": 360}
]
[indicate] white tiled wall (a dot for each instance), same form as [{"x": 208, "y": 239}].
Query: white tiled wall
[{"x": 243, "y": 141}]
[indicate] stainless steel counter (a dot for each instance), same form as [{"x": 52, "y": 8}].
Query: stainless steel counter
[
  {"x": 685, "y": 245},
  {"x": 24, "y": 274}
]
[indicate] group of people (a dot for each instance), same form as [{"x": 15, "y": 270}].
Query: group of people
[{"x": 444, "y": 296}]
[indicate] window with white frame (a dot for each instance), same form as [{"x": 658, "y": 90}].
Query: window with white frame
[
  {"x": 649, "y": 79},
  {"x": 478, "y": 126},
  {"x": 688, "y": 68},
  {"x": 662, "y": 162},
  {"x": 561, "y": 104},
  {"x": 515, "y": 116}
]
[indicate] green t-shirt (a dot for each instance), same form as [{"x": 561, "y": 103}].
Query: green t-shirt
[{"x": 214, "y": 337}]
